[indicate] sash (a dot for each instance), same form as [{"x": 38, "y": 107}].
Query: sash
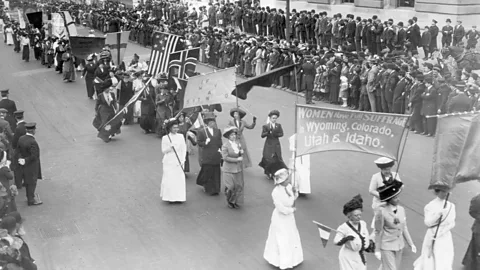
[{"x": 362, "y": 250}]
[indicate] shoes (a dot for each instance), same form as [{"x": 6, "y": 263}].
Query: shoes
[{"x": 230, "y": 205}]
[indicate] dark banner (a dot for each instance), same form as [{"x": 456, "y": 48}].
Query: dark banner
[
  {"x": 36, "y": 18},
  {"x": 84, "y": 46},
  {"x": 265, "y": 80}
]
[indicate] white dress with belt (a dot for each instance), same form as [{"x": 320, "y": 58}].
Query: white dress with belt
[{"x": 173, "y": 187}]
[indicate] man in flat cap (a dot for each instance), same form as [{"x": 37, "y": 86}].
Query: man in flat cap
[
  {"x": 29, "y": 169},
  {"x": 10, "y": 106}
]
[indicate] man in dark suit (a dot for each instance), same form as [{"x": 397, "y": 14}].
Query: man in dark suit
[
  {"x": 19, "y": 132},
  {"x": 209, "y": 143},
  {"x": 401, "y": 35},
  {"x": 399, "y": 94},
  {"x": 358, "y": 34},
  {"x": 429, "y": 107},
  {"x": 10, "y": 106},
  {"x": 308, "y": 72},
  {"x": 459, "y": 102},
  {"x": 28, "y": 160},
  {"x": 416, "y": 104},
  {"x": 351, "y": 28},
  {"x": 458, "y": 33}
]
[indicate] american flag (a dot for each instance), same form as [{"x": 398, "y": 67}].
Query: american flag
[
  {"x": 182, "y": 64},
  {"x": 163, "y": 45}
]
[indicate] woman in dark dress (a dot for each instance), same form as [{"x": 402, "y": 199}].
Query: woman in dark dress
[
  {"x": 334, "y": 80},
  {"x": 272, "y": 150},
  {"x": 147, "y": 119},
  {"x": 106, "y": 108}
]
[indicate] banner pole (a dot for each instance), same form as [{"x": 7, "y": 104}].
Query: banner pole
[
  {"x": 403, "y": 150},
  {"x": 175, "y": 151}
]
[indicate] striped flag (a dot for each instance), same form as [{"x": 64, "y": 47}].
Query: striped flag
[
  {"x": 163, "y": 45},
  {"x": 199, "y": 123},
  {"x": 118, "y": 45},
  {"x": 325, "y": 232},
  {"x": 182, "y": 64}
]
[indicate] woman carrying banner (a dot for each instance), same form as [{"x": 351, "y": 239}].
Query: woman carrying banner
[
  {"x": 391, "y": 230},
  {"x": 68, "y": 65},
  {"x": 437, "y": 248},
  {"x": 106, "y": 108},
  {"x": 147, "y": 108},
  {"x": 89, "y": 74},
  {"x": 353, "y": 237},
  {"x": 283, "y": 248},
  {"x": 174, "y": 149},
  {"x": 238, "y": 114},
  {"x": 272, "y": 150}
]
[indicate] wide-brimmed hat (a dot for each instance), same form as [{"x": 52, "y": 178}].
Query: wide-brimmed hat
[
  {"x": 389, "y": 191},
  {"x": 384, "y": 162},
  {"x": 240, "y": 112},
  {"x": 90, "y": 57},
  {"x": 229, "y": 130},
  {"x": 353, "y": 204},
  {"x": 281, "y": 176}
]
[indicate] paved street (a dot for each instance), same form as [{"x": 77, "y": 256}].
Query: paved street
[{"x": 102, "y": 208}]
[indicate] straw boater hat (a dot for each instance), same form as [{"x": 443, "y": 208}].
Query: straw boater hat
[
  {"x": 384, "y": 162},
  {"x": 389, "y": 191},
  {"x": 240, "y": 112},
  {"x": 353, "y": 204},
  {"x": 170, "y": 122},
  {"x": 229, "y": 130}
]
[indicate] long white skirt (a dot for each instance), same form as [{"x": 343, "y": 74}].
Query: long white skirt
[
  {"x": 443, "y": 253},
  {"x": 173, "y": 188},
  {"x": 283, "y": 248}
]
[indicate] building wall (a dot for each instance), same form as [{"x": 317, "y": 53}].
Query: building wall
[{"x": 425, "y": 10}]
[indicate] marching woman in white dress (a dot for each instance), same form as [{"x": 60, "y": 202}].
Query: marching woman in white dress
[
  {"x": 283, "y": 248},
  {"x": 300, "y": 168},
  {"x": 441, "y": 256},
  {"x": 174, "y": 149},
  {"x": 353, "y": 237},
  {"x": 9, "y": 35}
]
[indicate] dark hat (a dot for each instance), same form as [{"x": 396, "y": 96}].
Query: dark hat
[
  {"x": 240, "y": 112},
  {"x": 3, "y": 110},
  {"x": 389, "y": 191},
  {"x": 31, "y": 125},
  {"x": 209, "y": 116},
  {"x": 8, "y": 223},
  {"x": 448, "y": 20},
  {"x": 18, "y": 114},
  {"x": 229, "y": 130},
  {"x": 274, "y": 112},
  {"x": 4, "y": 92},
  {"x": 353, "y": 204},
  {"x": 434, "y": 21},
  {"x": 384, "y": 162}
]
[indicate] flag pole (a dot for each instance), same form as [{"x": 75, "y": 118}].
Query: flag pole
[
  {"x": 438, "y": 226},
  {"x": 320, "y": 224},
  {"x": 403, "y": 150},
  {"x": 295, "y": 173},
  {"x": 175, "y": 151}
]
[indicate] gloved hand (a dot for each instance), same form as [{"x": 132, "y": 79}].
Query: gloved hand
[
  {"x": 378, "y": 255},
  {"x": 21, "y": 161},
  {"x": 345, "y": 239},
  {"x": 207, "y": 141}
]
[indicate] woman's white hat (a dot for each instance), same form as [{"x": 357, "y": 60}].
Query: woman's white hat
[{"x": 281, "y": 176}]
